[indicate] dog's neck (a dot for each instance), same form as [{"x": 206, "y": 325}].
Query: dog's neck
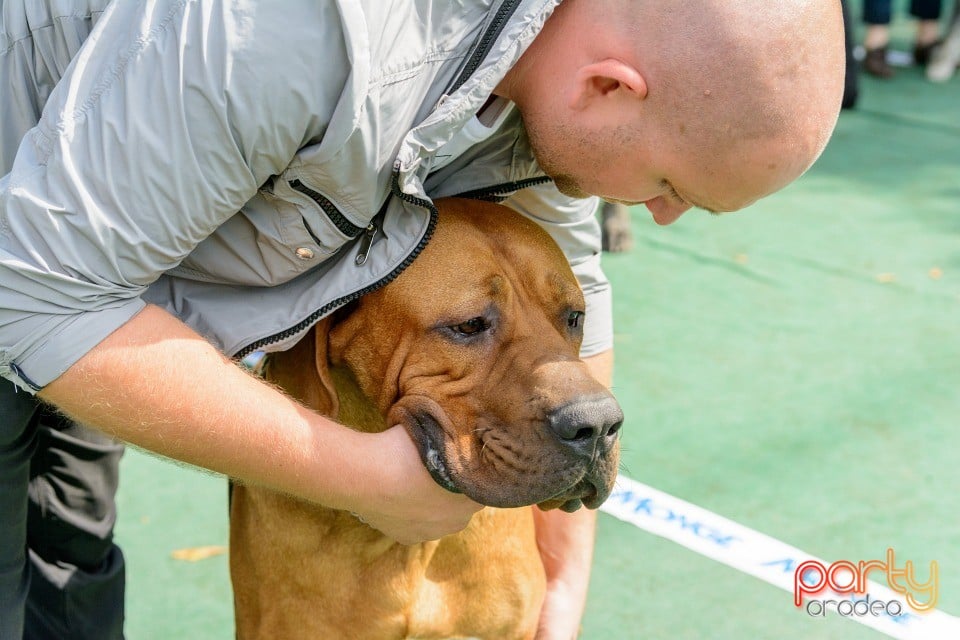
[{"x": 357, "y": 411}]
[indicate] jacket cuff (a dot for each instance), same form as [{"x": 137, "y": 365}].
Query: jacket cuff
[{"x": 61, "y": 342}]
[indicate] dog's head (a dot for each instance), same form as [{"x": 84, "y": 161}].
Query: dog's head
[{"x": 474, "y": 349}]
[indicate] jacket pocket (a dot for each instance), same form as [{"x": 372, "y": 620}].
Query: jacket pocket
[
  {"x": 273, "y": 239},
  {"x": 347, "y": 229}
]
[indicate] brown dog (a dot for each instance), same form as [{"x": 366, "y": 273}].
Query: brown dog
[{"x": 474, "y": 348}]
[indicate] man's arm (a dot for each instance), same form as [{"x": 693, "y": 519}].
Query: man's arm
[
  {"x": 566, "y": 547},
  {"x": 181, "y": 398}
]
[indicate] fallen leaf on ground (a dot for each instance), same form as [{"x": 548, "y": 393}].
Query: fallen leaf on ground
[{"x": 193, "y": 554}]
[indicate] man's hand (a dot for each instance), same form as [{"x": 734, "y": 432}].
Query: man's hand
[
  {"x": 560, "y": 615},
  {"x": 566, "y": 548},
  {"x": 407, "y": 504}
]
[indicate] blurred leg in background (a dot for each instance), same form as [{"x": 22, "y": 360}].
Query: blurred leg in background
[
  {"x": 876, "y": 41},
  {"x": 927, "y": 13},
  {"x": 851, "y": 86}
]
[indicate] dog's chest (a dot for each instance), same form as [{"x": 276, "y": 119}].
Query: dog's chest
[{"x": 486, "y": 582}]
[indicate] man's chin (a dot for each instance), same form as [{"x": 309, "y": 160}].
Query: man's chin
[{"x": 568, "y": 186}]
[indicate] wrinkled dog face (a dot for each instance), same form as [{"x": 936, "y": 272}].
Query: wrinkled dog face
[{"x": 475, "y": 350}]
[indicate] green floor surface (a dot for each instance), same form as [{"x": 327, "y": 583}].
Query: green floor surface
[{"x": 795, "y": 367}]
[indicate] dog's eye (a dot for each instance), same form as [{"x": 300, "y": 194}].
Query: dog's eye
[
  {"x": 472, "y": 327},
  {"x": 575, "y": 319}
]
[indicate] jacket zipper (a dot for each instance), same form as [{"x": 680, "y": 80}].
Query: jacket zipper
[
  {"x": 489, "y": 36},
  {"x": 366, "y": 242},
  {"x": 328, "y": 308},
  {"x": 504, "y": 13},
  {"x": 500, "y": 192},
  {"x": 494, "y": 193},
  {"x": 346, "y": 227}
]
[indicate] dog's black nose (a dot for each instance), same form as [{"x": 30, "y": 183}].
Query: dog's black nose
[{"x": 585, "y": 424}]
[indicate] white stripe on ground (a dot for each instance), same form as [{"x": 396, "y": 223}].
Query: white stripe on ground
[{"x": 761, "y": 556}]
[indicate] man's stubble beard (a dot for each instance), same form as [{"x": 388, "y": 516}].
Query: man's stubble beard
[{"x": 565, "y": 183}]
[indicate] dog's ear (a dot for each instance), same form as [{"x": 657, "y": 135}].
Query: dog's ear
[{"x": 303, "y": 371}]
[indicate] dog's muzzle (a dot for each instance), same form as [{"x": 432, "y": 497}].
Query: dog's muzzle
[
  {"x": 575, "y": 464},
  {"x": 587, "y": 431}
]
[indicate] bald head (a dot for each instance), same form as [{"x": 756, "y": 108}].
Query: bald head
[
  {"x": 724, "y": 73},
  {"x": 732, "y": 100}
]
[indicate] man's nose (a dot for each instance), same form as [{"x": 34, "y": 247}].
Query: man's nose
[{"x": 664, "y": 211}]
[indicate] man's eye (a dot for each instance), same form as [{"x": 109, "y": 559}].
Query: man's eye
[
  {"x": 575, "y": 319},
  {"x": 472, "y": 327},
  {"x": 672, "y": 192}
]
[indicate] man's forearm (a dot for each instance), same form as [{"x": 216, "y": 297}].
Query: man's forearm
[
  {"x": 156, "y": 384},
  {"x": 566, "y": 543}
]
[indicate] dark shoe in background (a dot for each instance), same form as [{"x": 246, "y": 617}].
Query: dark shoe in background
[
  {"x": 875, "y": 63},
  {"x": 923, "y": 52}
]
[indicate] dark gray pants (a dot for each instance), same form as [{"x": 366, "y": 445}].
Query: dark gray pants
[
  {"x": 61, "y": 576},
  {"x": 881, "y": 11}
]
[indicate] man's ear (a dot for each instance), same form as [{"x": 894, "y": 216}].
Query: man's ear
[{"x": 606, "y": 78}]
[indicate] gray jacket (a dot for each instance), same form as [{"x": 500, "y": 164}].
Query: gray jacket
[{"x": 250, "y": 166}]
